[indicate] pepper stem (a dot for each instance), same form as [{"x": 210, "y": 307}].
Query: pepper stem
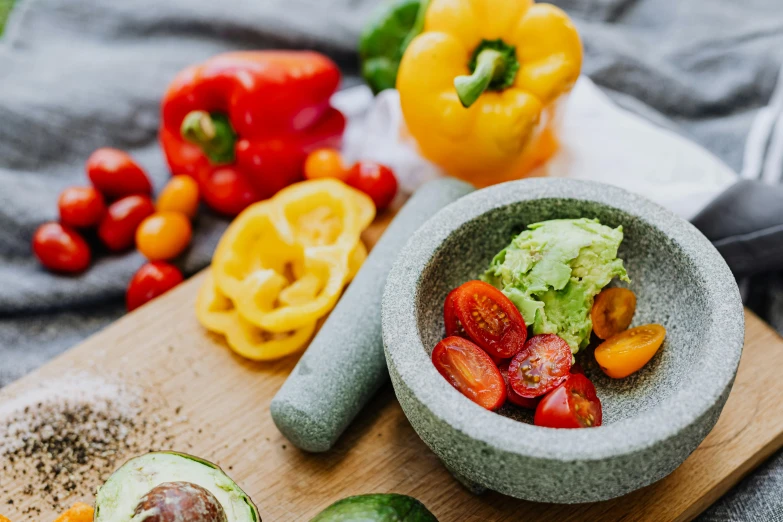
[
  {"x": 490, "y": 66},
  {"x": 212, "y": 133}
]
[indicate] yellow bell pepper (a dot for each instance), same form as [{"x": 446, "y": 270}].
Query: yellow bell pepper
[
  {"x": 480, "y": 86},
  {"x": 216, "y": 313},
  {"x": 281, "y": 266}
]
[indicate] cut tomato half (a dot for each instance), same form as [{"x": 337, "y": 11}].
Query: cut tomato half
[
  {"x": 627, "y": 352},
  {"x": 573, "y": 404},
  {"x": 542, "y": 365},
  {"x": 490, "y": 319},
  {"x": 471, "y": 371},
  {"x": 512, "y": 396},
  {"x": 453, "y": 326},
  {"x": 612, "y": 312}
]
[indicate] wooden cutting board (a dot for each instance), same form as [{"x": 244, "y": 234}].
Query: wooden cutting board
[{"x": 226, "y": 403}]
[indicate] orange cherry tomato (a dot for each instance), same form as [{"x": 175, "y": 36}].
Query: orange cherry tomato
[
  {"x": 612, "y": 311},
  {"x": 625, "y": 353},
  {"x": 79, "y": 512},
  {"x": 163, "y": 235},
  {"x": 179, "y": 195},
  {"x": 324, "y": 163}
]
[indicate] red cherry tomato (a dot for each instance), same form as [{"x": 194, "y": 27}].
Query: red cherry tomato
[
  {"x": 573, "y": 404},
  {"x": 114, "y": 173},
  {"x": 81, "y": 207},
  {"x": 542, "y": 365},
  {"x": 376, "y": 180},
  {"x": 152, "y": 280},
  {"x": 227, "y": 191},
  {"x": 490, "y": 319},
  {"x": 470, "y": 370},
  {"x": 118, "y": 227},
  {"x": 453, "y": 326},
  {"x": 60, "y": 248},
  {"x": 514, "y": 397}
]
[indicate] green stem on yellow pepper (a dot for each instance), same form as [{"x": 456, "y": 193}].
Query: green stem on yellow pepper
[
  {"x": 490, "y": 66},
  {"x": 212, "y": 133}
]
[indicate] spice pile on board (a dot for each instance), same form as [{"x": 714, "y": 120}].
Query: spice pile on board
[{"x": 62, "y": 441}]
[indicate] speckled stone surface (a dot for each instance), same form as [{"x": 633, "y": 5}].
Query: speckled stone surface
[
  {"x": 652, "y": 420},
  {"x": 344, "y": 365}
]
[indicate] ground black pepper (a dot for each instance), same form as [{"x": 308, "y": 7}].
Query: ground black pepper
[{"x": 63, "y": 445}]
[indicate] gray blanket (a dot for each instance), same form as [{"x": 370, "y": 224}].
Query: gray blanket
[{"x": 76, "y": 75}]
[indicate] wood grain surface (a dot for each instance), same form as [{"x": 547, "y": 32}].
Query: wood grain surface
[{"x": 226, "y": 403}]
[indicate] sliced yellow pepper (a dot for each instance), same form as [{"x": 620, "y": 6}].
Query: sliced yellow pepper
[
  {"x": 216, "y": 312},
  {"x": 479, "y": 87},
  {"x": 281, "y": 266}
]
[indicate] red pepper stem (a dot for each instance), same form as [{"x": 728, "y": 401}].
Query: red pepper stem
[
  {"x": 212, "y": 133},
  {"x": 490, "y": 65}
]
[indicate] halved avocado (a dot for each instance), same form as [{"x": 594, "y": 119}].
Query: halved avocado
[
  {"x": 121, "y": 495},
  {"x": 376, "y": 508}
]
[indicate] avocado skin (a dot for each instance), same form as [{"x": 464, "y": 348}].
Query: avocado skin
[{"x": 376, "y": 508}]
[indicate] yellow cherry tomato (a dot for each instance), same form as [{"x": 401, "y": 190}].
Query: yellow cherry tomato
[
  {"x": 324, "y": 163},
  {"x": 627, "y": 352},
  {"x": 613, "y": 311},
  {"x": 179, "y": 195},
  {"x": 79, "y": 512},
  {"x": 163, "y": 235}
]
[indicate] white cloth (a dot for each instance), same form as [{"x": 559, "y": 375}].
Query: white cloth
[{"x": 599, "y": 141}]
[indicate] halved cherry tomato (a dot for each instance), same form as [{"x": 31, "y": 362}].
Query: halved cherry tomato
[
  {"x": 542, "y": 365},
  {"x": 573, "y": 404},
  {"x": 512, "y": 396},
  {"x": 118, "y": 227},
  {"x": 490, "y": 319},
  {"x": 453, "y": 326},
  {"x": 60, "y": 248},
  {"x": 163, "y": 235},
  {"x": 625, "y": 353},
  {"x": 151, "y": 280},
  {"x": 324, "y": 163},
  {"x": 612, "y": 311},
  {"x": 376, "y": 180},
  {"x": 81, "y": 207},
  {"x": 179, "y": 195},
  {"x": 114, "y": 173},
  {"x": 470, "y": 370}
]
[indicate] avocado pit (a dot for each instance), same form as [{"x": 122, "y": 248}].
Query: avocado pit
[{"x": 179, "y": 502}]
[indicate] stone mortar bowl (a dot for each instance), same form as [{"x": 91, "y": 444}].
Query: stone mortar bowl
[{"x": 652, "y": 420}]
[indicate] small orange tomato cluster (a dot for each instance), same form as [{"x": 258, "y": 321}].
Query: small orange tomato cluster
[
  {"x": 118, "y": 206},
  {"x": 376, "y": 180}
]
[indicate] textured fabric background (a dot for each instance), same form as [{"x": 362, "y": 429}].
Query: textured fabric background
[{"x": 76, "y": 75}]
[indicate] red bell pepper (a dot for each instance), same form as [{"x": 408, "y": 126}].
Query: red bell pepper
[{"x": 243, "y": 123}]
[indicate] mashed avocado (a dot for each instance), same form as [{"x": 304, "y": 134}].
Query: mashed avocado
[{"x": 552, "y": 272}]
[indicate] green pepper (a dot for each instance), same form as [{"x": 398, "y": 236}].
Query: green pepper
[{"x": 384, "y": 40}]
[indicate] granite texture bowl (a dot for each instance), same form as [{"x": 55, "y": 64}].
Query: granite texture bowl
[{"x": 652, "y": 420}]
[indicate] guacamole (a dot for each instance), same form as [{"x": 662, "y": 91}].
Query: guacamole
[{"x": 552, "y": 272}]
